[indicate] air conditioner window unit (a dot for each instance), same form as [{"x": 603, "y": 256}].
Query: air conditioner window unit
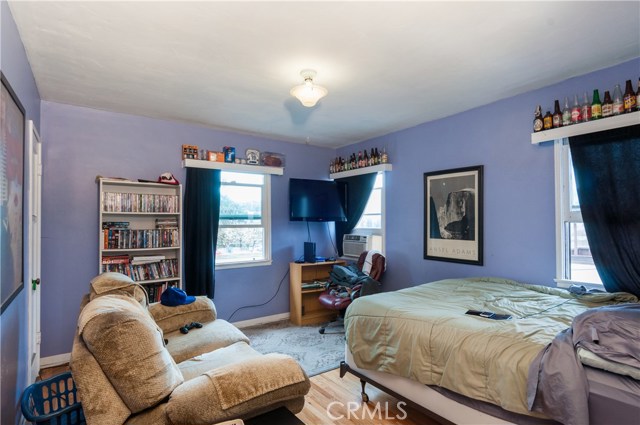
[{"x": 354, "y": 245}]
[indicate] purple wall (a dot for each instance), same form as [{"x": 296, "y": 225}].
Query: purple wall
[
  {"x": 14, "y": 344},
  {"x": 80, "y": 143},
  {"x": 519, "y": 223}
]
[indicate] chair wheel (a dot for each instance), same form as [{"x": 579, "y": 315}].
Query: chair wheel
[
  {"x": 365, "y": 398},
  {"x": 321, "y": 330}
]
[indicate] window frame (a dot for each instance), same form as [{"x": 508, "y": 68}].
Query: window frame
[
  {"x": 266, "y": 225},
  {"x": 374, "y": 230},
  {"x": 564, "y": 213}
]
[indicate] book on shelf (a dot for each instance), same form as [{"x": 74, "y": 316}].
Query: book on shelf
[
  {"x": 147, "y": 259},
  {"x": 167, "y": 223},
  {"x": 116, "y": 259},
  {"x": 115, "y": 225}
]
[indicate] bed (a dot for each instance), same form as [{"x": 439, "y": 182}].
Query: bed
[{"x": 419, "y": 344}]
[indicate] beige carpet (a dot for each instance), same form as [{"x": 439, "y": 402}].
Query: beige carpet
[{"x": 316, "y": 353}]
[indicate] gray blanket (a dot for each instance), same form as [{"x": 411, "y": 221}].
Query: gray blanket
[{"x": 557, "y": 384}]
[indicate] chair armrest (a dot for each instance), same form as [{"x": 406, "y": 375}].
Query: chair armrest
[
  {"x": 173, "y": 318},
  {"x": 237, "y": 390}
]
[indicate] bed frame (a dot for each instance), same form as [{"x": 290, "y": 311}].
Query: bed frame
[
  {"x": 418, "y": 396},
  {"x": 612, "y": 399}
]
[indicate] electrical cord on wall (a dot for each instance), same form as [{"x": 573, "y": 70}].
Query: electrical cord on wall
[
  {"x": 331, "y": 239},
  {"x": 264, "y": 303}
]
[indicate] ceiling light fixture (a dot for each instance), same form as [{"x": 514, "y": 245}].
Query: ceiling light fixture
[{"x": 308, "y": 93}]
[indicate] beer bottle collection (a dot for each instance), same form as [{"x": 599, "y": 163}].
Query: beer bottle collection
[
  {"x": 361, "y": 160},
  {"x": 589, "y": 110}
]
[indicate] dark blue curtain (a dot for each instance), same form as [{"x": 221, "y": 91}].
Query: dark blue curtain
[
  {"x": 358, "y": 192},
  {"x": 607, "y": 172},
  {"x": 201, "y": 214}
]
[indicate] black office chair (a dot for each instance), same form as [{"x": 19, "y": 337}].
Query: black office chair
[{"x": 371, "y": 263}]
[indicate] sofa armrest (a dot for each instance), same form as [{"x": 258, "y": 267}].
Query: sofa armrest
[
  {"x": 173, "y": 318},
  {"x": 238, "y": 390}
]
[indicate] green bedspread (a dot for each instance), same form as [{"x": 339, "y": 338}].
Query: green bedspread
[{"x": 423, "y": 333}]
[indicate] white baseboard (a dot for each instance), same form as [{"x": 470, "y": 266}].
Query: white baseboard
[
  {"x": 262, "y": 320},
  {"x": 56, "y": 360}
]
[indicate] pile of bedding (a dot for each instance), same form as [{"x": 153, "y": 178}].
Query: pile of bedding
[
  {"x": 606, "y": 338},
  {"x": 422, "y": 333}
]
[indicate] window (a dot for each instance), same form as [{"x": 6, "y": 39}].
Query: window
[
  {"x": 574, "y": 263},
  {"x": 245, "y": 225},
  {"x": 372, "y": 219}
]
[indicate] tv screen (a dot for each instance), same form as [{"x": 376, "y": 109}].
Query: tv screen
[{"x": 316, "y": 200}]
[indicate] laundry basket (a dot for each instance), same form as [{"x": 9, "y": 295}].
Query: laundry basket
[{"x": 53, "y": 401}]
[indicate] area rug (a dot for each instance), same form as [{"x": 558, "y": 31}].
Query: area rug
[{"x": 316, "y": 353}]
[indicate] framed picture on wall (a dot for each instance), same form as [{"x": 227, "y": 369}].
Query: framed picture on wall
[
  {"x": 12, "y": 125},
  {"x": 453, "y": 215}
]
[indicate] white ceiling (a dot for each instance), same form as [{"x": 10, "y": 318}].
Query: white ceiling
[{"x": 387, "y": 65}]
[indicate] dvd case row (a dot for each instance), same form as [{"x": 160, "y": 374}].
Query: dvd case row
[
  {"x": 142, "y": 238},
  {"x": 139, "y": 202},
  {"x": 141, "y": 272},
  {"x": 155, "y": 290}
]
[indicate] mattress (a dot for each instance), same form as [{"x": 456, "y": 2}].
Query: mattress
[{"x": 422, "y": 333}]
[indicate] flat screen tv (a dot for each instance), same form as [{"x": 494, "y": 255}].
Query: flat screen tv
[{"x": 316, "y": 200}]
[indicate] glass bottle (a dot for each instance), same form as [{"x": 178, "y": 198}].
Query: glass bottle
[
  {"x": 548, "y": 120},
  {"x": 586, "y": 108},
  {"x": 596, "y": 106},
  {"x": 618, "y": 105},
  {"x": 365, "y": 159},
  {"x": 378, "y": 159},
  {"x": 607, "y": 105},
  {"x": 576, "y": 111},
  {"x": 638, "y": 97},
  {"x": 629, "y": 98},
  {"x": 385, "y": 156},
  {"x": 557, "y": 114},
  {"x": 566, "y": 113},
  {"x": 538, "y": 122}
]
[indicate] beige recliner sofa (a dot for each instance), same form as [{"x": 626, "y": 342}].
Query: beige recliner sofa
[{"x": 132, "y": 365}]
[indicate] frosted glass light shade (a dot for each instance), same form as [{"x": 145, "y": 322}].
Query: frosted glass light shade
[{"x": 308, "y": 93}]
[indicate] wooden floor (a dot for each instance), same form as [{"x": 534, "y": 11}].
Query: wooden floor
[{"x": 335, "y": 400}]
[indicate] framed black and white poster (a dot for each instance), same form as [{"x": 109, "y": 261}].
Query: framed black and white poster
[
  {"x": 12, "y": 125},
  {"x": 453, "y": 215}
]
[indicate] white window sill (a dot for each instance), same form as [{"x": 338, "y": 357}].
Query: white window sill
[{"x": 243, "y": 265}]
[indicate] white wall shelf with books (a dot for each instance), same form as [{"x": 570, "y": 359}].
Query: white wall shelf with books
[{"x": 140, "y": 232}]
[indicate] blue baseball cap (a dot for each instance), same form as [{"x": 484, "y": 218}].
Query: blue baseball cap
[{"x": 175, "y": 296}]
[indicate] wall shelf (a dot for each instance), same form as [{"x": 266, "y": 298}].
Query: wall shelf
[
  {"x": 623, "y": 120},
  {"x": 228, "y": 166},
  {"x": 359, "y": 171}
]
